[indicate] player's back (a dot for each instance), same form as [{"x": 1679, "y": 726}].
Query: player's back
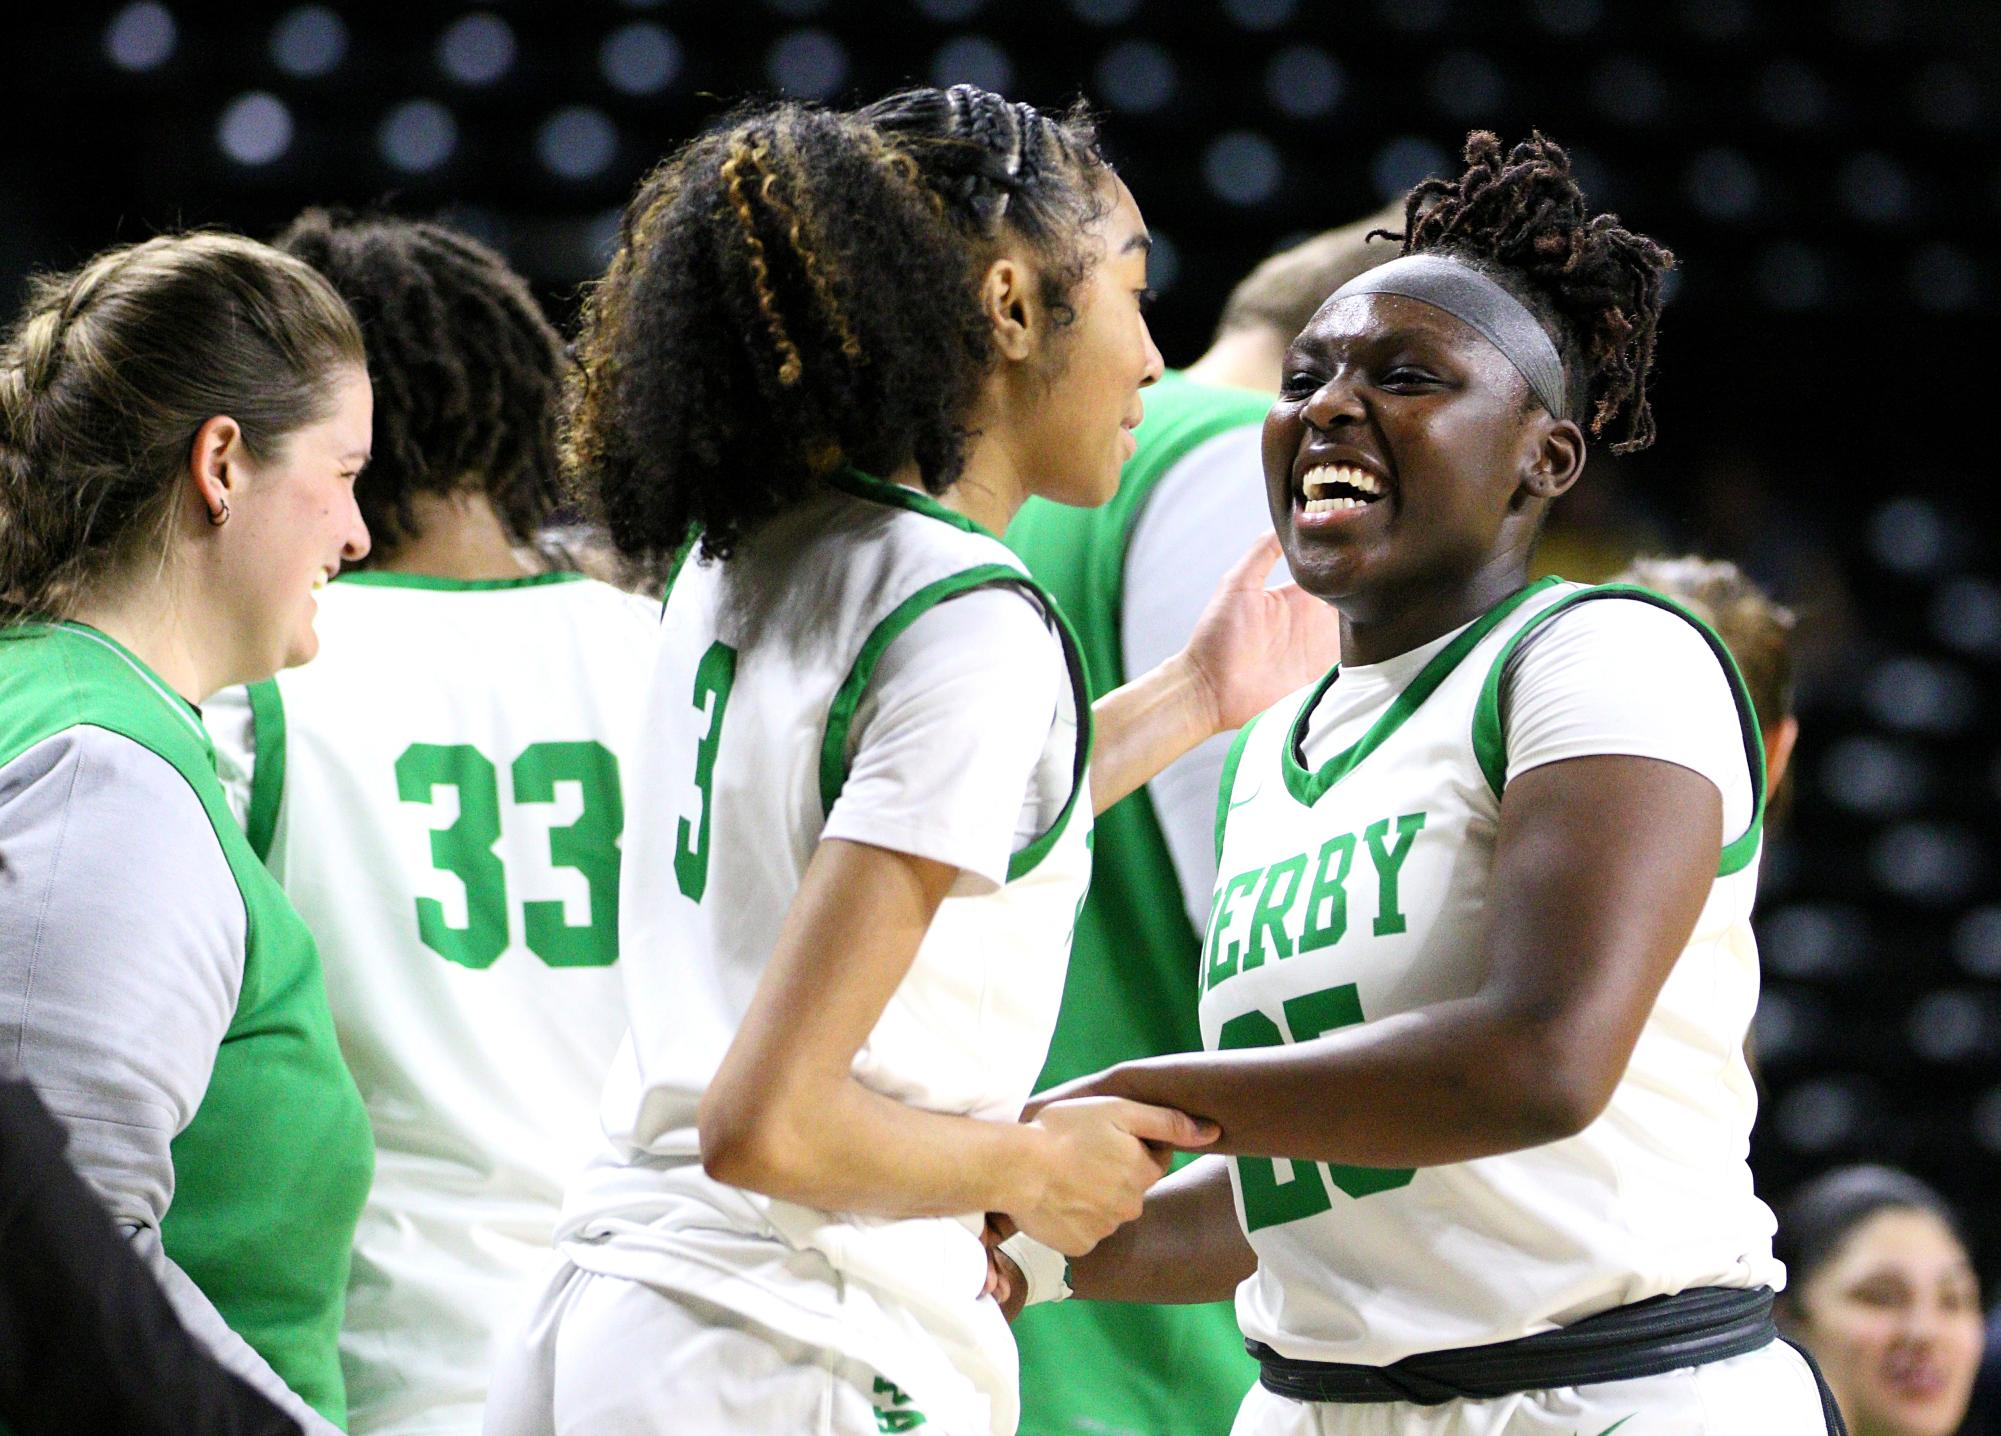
[{"x": 440, "y": 794}]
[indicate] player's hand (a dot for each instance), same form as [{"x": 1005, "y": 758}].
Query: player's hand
[
  {"x": 1099, "y": 1156},
  {"x": 1005, "y": 1282},
  {"x": 1253, "y": 645}
]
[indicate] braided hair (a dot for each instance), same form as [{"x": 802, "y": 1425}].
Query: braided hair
[
  {"x": 110, "y": 370},
  {"x": 1519, "y": 218},
  {"x": 797, "y": 289},
  {"x": 467, "y": 370}
]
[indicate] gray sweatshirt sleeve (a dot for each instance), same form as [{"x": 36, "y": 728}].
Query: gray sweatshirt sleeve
[{"x": 121, "y": 956}]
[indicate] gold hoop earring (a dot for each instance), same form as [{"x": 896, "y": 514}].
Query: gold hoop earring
[{"x": 218, "y": 517}]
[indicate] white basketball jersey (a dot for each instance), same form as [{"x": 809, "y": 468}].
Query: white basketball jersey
[
  {"x": 1359, "y": 890},
  {"x": 762, "y": 663},
  {"x": 441, "y": 797}
]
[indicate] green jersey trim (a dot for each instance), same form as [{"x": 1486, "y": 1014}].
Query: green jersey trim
[
  {"x": 848, "y": 697},
  {"x": 186, "y": 712},
  {"x": 678, "y": 563},
  {"x": 382, "y": 578},
  {"x": 1490, "y": 745},
  {"x": 267, "y": 777},
  {"x": 867, "y": 486},
  {"x": 1227, "y": 788},
  {"x": 1310, "y": 786}
]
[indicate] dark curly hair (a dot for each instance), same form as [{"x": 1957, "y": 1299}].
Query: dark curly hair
[
  {"x": 1520, "y": 218},
  {"x": 467, "y": 370},
  {"x": 797, "y": 290}
]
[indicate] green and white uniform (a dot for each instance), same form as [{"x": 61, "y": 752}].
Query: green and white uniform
[
  {"x": 439, "y": 793},
  {"x": 871, "y": 667},
  {"x": 1133, "y": 576},
  {"x": 1356, "y": 835},
  {"x": 165, "y": 1000}
]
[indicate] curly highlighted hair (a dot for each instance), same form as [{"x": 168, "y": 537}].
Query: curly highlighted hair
[
  {"x": 1519, "y": 217},
  {"x": 797, "y": 290},
  {"x": 467, "y": 370}
]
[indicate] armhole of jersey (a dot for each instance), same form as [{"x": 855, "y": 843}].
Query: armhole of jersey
[
  {"x": 847, "y": 699},
  {"x": 1226, "y": 789},
  {"x": 1490, "y": 743},
  {"x": 267, "y": 775}
]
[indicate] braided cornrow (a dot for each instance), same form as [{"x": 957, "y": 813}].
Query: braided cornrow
[
  {"x": 1520, "y": 217},
  {"x": 748, "y": 154},
  {"x": 466, "y": 367},
  {"x": 746, "y": 339}
]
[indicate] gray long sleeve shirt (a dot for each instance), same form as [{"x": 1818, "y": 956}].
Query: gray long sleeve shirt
[{"x": 121, "y": 954}]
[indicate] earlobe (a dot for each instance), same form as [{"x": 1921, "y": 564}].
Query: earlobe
[{"x": 213, "y": 464}]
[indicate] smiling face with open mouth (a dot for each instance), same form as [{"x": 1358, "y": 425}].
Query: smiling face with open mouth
[{"x": 1406, "y": 464}]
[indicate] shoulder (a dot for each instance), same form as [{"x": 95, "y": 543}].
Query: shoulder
[
  {"x": 1615, "y": 633},
  {"x": 115, "y": 818}
]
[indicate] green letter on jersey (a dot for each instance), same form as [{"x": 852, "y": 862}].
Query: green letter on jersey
[
  {"x": 1389, "y": 864},
  {"x": 589, "y": 845},
  {"x": 1223, "y": 960},
  {"x": 465, "y": 849},
  {"x": 1329, "y": 890},
  {"x": 1269, "y": 915},
  {"x": 713, "y": 677}
]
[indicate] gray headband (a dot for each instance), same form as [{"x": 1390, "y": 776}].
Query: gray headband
[{"x": 1468, "y": 295}]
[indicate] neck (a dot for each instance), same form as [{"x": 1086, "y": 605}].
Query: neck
[
  {"x": 457, "y": 535},
  {"x": 1389, "y": 624},
  {"x": 1243, "y": 359},
  {"x": 990, "y": 489},
  {"x": 154, "y": 620}
]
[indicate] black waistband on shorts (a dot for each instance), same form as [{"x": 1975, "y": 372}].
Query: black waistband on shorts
[{"x": 1646, "y": 1338}]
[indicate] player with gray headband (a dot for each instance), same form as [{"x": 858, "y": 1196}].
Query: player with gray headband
[{"x": 1479, "y": 966}]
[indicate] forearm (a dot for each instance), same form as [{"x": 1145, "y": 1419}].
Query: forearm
[
  {"x": 854, "y": 1150},
  {"x": 1145, "y": 725},
  {"x": 1187, "y": 1247},
  {"x": 1448, "y": 1083}
]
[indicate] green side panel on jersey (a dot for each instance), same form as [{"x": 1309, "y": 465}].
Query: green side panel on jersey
[
  {"x": 270, "y": 1175},
  {"x": 1490, "y": 742},
  {"x": 267, "y": 778},
  {"x": 1106, "y": 1368}
]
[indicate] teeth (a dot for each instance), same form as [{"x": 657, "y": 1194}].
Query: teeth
[
  {"x": 1325, "y": 476},
  {"x": 1329, "y": 506},
  {"x": 320, "y": 579}
]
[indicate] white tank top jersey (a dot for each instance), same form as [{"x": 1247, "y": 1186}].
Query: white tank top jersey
[
  {"x": 764, "y": 662},
  {"x": 1357, "y": 889},
  {"x": 439, "y": 792}
]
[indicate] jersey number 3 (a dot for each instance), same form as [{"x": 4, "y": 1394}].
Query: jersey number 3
[
  {"x": 1268, "y": 1202},
  {"x": 465, "y": 849},
  {"x": 715, "y": 675}
]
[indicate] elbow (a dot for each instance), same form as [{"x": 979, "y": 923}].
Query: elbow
[
  {"x": 748, "y": 1143},
  {"x": 1558, "y": 1109},
  {"x": 1558, "y": 1085}
]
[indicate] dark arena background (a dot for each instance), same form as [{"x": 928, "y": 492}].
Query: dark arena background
[{"x": 1827, "y": 171}]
